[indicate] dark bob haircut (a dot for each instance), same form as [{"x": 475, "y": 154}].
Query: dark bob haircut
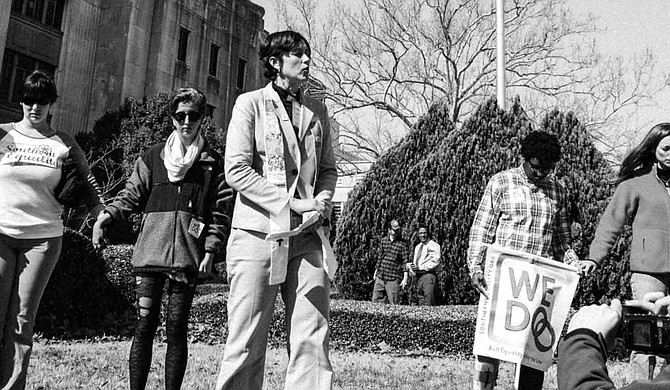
[
  {"x": 39, "y": 87},
  {"x": 188, "y": 95},
  {"x": 281, "y": 43},
  {"x": 542, "y": 146}
]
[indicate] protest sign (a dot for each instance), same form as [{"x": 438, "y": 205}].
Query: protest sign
[{"x": 528, "y": 302}]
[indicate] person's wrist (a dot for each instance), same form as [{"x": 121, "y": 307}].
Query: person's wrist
[{"x": 595, "y": 265}]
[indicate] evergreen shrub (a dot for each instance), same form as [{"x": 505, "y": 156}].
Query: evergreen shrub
[
  {"x": 437, "y": 175},
  {"x": 358, "y": 326},
  {"x": 81, "y": 297}
]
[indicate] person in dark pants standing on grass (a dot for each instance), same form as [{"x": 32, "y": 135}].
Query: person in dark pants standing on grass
[
  {"x": 179, "y": 186},
  {"x": 523, "y": 208},
  {"x": 425, "y": 265},
  {"x": 390, "y": 275}
]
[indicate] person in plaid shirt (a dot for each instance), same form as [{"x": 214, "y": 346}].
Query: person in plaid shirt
[
  {"x": 523, "y": 208},
  {"x": 393, "y": 255}
]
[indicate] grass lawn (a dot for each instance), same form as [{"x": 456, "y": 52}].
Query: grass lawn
[{"x": 103, "y": 365}]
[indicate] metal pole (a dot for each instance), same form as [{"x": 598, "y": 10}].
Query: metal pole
[{"x": 500, "y": 51}]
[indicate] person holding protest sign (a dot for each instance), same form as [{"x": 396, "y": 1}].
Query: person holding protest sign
[
  {"x": 582, "y": 353},
  {"x": 524, "y": 209},
  {"x": 641, "y": 199}
]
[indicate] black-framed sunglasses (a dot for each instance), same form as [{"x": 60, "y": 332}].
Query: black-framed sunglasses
[
  {"x": 193, "y": 116},
  {"x": 29, "y": 101}
]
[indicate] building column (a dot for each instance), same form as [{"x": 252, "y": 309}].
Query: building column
[{"x": 5, "y": 10}]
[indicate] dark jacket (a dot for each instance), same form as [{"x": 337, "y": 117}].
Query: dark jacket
[
  {"x": 643, "y": 202},
  {"x": 175, "y": 212},
  {"x": 581, "y": 365}
]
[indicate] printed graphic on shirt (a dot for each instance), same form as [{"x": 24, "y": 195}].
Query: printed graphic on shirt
[
  {"x": 29, "y": 154},
  {"x": 16, "y": 149}
]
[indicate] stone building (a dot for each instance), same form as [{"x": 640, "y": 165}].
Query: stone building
[{"x": 102, "y": 51}]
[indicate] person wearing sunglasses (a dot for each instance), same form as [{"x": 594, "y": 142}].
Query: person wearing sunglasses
[
  {"x": 523, "y": 208},
  {"x": 179, "y": 186},
  {"x": 32, "y": 157},
  {"x": 641, "y": 200},
  {"x": 279, "y": 160}
]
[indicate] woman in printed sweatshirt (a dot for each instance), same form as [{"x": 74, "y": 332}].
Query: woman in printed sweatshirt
[
  {"x": 180, "y": 188},
  {"x": 32, "y": 156}
]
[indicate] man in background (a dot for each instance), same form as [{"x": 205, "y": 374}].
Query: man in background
[
  {"x": 425, "y": 266},
  {"x": 390, "y": 275}
]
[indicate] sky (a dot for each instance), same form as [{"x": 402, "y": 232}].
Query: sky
[
  {"x": 627, "y": 27},
  {"x": 631, "y": 26}
]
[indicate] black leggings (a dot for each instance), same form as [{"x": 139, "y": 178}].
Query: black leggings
[{"x": 149, "y": 291}]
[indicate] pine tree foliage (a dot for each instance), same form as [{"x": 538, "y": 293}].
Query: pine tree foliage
[
  {"x": 437, "y": 175},
  {"x": 588, "y": 180}
]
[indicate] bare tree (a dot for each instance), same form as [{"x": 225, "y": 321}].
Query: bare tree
[{"x": 401, "y": 56}]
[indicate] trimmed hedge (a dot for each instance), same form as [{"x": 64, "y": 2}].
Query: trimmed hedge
[
  {"x": 363, "y": 326},
  {"x": 357, "y": 326},
  {"x": 87, "y": 294}
]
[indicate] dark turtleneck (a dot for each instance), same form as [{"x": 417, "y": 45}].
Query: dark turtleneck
[{"x": 287, "y": 99}]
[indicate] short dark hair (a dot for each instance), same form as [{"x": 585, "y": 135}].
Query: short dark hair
[
  {"x": 542, "y": 146},
  {"x": 39, "y": 86},
  {"x": 190, "y": 95},
  {"x": 278, "y": 44}
]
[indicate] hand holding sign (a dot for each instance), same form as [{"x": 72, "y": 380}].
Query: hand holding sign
[
  {"x": 479, "y": 283},
  {"x": 527, "y": 304}
]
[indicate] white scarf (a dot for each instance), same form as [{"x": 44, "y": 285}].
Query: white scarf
[
  {"x": 275, "y": 173},
  {"x": 176, "y": 161}
]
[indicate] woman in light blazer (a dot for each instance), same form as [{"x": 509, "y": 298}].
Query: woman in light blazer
[{"x": 279, "y": 160}]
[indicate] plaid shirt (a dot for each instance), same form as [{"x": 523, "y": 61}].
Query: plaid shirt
[
  {"x": 393, "y": 255},
  {"x": 515, "y": 213}
]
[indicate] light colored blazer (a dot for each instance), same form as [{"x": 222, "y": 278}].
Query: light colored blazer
[{"x": 309, "y": 159}]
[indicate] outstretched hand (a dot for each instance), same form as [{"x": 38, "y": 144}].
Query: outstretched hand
[
  {"x": 655, "y": 302},
  {"x": 99, "y": 236}
]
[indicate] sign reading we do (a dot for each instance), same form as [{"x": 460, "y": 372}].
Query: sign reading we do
[{"x": 528, "y": 303}]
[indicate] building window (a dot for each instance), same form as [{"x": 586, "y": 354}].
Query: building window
[
  {"x": 241, "y": 73},
  {"x": 213, "y": 60},
  {"x": 48, "y": 12},
  {"x": 209, "y": 111},
  {"x": 183, "y": 44},
  {"x": 15, "y": 68}
]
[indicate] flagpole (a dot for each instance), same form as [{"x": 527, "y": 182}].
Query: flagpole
[{"x": 500, "y": 52}]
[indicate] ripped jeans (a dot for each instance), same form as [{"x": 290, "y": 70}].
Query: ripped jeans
[{"x": 149, "y": 291}]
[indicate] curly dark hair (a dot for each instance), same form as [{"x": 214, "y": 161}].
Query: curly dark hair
[
  {"x": 278, "y": 44},
  {"x": 542, "y": 146}
]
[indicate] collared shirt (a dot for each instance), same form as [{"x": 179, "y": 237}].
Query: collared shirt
[
  {"x": 393, "y": 255},
  {"x": 287, "y": 100},
  {"x": 518, "y": 214},
  {"x": 427, "y": 256}
]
